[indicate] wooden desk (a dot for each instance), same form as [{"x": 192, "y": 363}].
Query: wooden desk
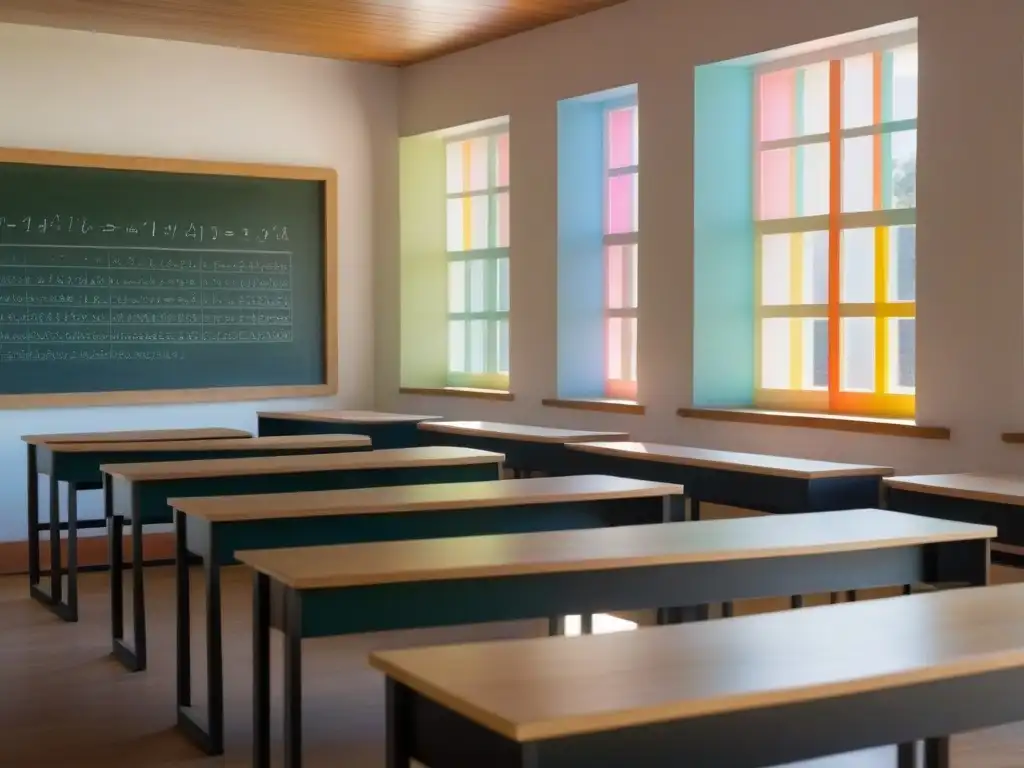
[
  {"x": 990, "y": 499},
  {"x": 321, "y": 591},
  {"x": 527, "y": 449},
  {"x": 386, "y": 430},
  {"x": 216, "y": 528},
  {"x": 761, "y": 690},
  {"x": 39, "y": 452},
  {"x": 776, "y": 484},
  {"x": 139, "y": 494}
]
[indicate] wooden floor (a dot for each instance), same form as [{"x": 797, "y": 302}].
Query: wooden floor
[{"x": 64, "y": 703}]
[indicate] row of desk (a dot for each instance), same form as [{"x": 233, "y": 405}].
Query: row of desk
[{"x": 344, "y": 539}]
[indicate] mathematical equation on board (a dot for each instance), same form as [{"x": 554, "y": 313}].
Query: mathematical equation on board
[{"x": 151, "y": 231}]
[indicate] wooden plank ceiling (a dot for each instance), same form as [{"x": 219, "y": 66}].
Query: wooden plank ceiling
[{"x": 394, "y": 32}]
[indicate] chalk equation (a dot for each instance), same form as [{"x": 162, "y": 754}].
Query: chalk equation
[
  {"x": 62, "y": 354},
  {"x": 149, "y": 230}
]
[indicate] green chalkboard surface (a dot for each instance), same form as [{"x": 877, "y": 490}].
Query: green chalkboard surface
[{"x": 202, "y": 280}]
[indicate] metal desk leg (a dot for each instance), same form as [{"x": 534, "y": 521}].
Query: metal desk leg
[
  {"x": 796, "y": 601},
  {"x": 397, "y": 697},
  {"x": 556, "y": 626},
  {"x": 32, "y": 496},
  {"x": 587, "y": 624},
  {"x": 906, "y": 755},
  {"x": 261, "y": 671},
  {"x": 293, "y": 680},
  {"x": 115, "y": 542},
  {"x": 936, "y": 753},
  {"x": 56, "y": 583},
  {"x": 134, "y": 660}
]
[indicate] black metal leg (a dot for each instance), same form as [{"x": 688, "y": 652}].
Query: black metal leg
[
  {"x": 833, "y": 597},
  {"x": 71, "y": 607},
  {"x": 293, "y": 681},
  {"x": 728, "y": 610},
  {"x": 556, "y": 626},
  {"x": 184, "y": 622},
  {"x": 261, "y": 671},
  {"x": 694, "y": 508},
  {"x": 684, "y": 614},
  {"x": 54, "y": 599},
  {"x": 398, "y": 751},
  {"x": 908, "y": 589},
  {"x": 115, "y": 536},
  {"x": 587, "y": 624},
  {"x": 936, "y": 753},
  {"x": 906, "y": 755},
  {"x": 796, "y": 601},
  {"x": 851, "y": 595},
  {"x": 32, "y": 496},
  {"x": 134, "y": 660},
  {"x": 56, "y": 583},
  {"x": 214, "y": 659}
]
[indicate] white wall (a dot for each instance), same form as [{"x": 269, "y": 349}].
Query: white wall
[
  {"x": 84, "y": 92},
  {"x": 970, "y": 202}
]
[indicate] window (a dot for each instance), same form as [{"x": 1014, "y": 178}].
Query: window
[
  {"x": 835, "y": 181},
  {"x": 621, "y": 224},
  {"x": 477, "y": 237}
]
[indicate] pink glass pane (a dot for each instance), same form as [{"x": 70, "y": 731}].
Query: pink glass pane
[
  {"x": 613, "y": 276},
  {"x": 621, "y": 213},
  {"x": 501, "y": 177},
  {"x": 776, "y": 184},
  {"x": 621, "y": 129},
  {"x": 777, "y": 105},
  {"x": 613, "y": 348},
  {"x": 503, "y": 220}
]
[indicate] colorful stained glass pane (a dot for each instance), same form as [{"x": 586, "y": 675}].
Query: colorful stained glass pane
[
  {"x": 902, "y": 263},
  {"x": 776, "y": 272},
  {"x": 775, "y": 353},
  {"x": 502, "y": 344},
  {"x": 457, "y": 346},
  {"x": 455, "y": 229},
  {"x": 477, "y": 346},
  {"x": 453, "y": 162},
  {"x": 614, "y": 348},
  {"x": 456, "y": 287},
  {"x": 622, "y": 139},
  {"x": 501, "y": 176},
  {"x": 904, "y": 83},
  {"x": 502, "y": 299},
  {"x": 902, "y": 159},
  {"x": 778, "y": 105},
  {"x": 902, "y": 355},
  {"x": 502, "y": 220},
  {"x": 777, "y": 184},
  {"x": 815, "y": 267},
  {"x": 813, "y": 105},
  {"x": 613, "y": 277},
  {"x": 621, "y": 215},
  {"x": 859, "y": 91}
]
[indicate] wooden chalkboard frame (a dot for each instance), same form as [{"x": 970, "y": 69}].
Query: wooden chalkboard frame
[{"x": 328, "y": 177}]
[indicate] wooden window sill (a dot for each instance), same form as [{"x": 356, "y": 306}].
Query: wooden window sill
[
  {"x": 862, "y": 424},
  {"x": 596, "y": 404},
  {"x": 480, "y": 394}
]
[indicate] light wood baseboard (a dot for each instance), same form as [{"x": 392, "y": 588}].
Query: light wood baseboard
[{"x": 92, "y": 552}]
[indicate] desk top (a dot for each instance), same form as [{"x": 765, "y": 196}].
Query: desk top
[
  {"x": 1001, "y": 489},
  {"x": 594, "y": 549},
  {"x": 347, "y": 417},
  {"x": 140, "y": 435},
  {"x": 550, "y": 687},
  {"x": 519, "y": 432},
  {"x": 416, "y": 498},
  {"x": 754, "y": 463},
  {"x": 284, "y": 442},
  {"x": 434, "y": 456}
]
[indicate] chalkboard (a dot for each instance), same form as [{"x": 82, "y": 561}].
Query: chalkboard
[{"x": 136, "y": 280}]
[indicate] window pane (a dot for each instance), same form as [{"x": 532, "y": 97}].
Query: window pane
[
  {"x": 904, "y": 82},
  {"x": 613, "y": 348},
  {"x": 477, "y": 275},
  {"x": 815, "y": 267},
  {"x": 858, "y": 174},
  {"x": 503, "y": 286},
  {"x": 455, "y": 232},
  {"x": 902, "y": 263},
  {"x": 501, "y": 175},
  {"x": 857, "y": 261},
  {"x": 502, "y": 345},
  {"x": 902, "y": 350},
  {"x": 794, "y": 181},
  {"x": 629, "y": 347},
  {"x": 632, "y": 274},
  {"x": 613, "y": 276},
  {"x": 622, "y": 137},
  {"x": 902, "y": 153},
  {"x": 622, "y": 203},
  {"x": 457, "y": 346},
  {"x": 477, "y": 346},
  {"x": 778, "y": 92},
  {"x": 859, "y": 91},
  {"x": 479, "y": 236},
  {"x": 814, "y": 111},
  {"x": 501, "y": 220},
  {"x": 816, "y": 364},
  {"x": 775, "y": 353},
  {"x": 456, "y": 287},
  {"x": 857, "y": 362},
  {"x": 776, "y": 269},
  {"x": 453, "y": 159},
  {"x": 478, "y": 154}
]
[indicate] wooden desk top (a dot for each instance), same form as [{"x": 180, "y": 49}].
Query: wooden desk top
[
  {"x": 754, "y": 463},
  {"x": 1001, "y": 489},
  {"x": 560, "y": 686},
  {"x": 140, "y": 435},
  {"x": 294, "y": 442},
  {"x": 434, "y": 456},
  {"x": 519, "y": 431},
  {"x": 593, "y": 549},
  {"x": 416, "y": 498},
  {"x": 347, "y": 417}
]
